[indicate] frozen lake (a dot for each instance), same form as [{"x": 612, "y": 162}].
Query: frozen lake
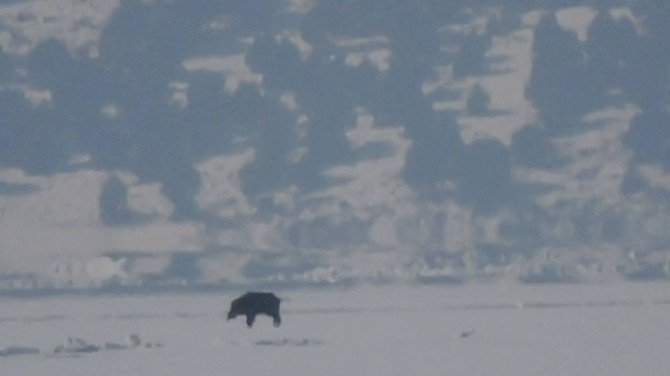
[{"x": 479, "y": 329}]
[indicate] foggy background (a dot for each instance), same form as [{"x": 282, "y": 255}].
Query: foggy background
[{"x": 203, "y": 143}]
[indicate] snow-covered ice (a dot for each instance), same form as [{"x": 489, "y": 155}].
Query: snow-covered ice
[{"x": 478, "y": 329}]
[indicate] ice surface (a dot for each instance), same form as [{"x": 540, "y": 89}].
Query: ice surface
[{"x": 501, "y": 329}]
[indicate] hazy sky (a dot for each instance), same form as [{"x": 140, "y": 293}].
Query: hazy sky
[{"x": 300, "y": 141}]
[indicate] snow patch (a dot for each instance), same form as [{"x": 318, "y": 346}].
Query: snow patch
[
  {"x": 295, "y": 38},
  {"x": 104, "y": 268},
  {"x": 301, "y": 7},
  {"x": 110, "y": 111},
  {"x": 656, "y": 176},
  {"x": 509, "y": 108},
  {"x": 599, "y": 161},
  {"x": 149, "y": 199},
  {"x": 378, "y": 57},
  {"x": 179, "y": 97},
  {"x": 221, "y": 191},
  {"x": 156, "y": 237},
  {"x": 371, "y": 49},
  {"x": 232, "y": 67},
  {"x": 38, "y": 97},
  {"x": 289, "y": 101},
  {"x": 76, "y": 23},
  {"x": 477, "y": 25},
  {"x": 621, "y": 14},
  {"x": 577, "y": 20},
  {"x": 79, "y": 159},
  {"x": 373, "y": 183}
]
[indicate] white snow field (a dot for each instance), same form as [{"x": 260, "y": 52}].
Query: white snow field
[{"x": 478, "y": 329}]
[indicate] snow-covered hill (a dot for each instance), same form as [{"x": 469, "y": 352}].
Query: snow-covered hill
[{"x": 153, "y": 143}]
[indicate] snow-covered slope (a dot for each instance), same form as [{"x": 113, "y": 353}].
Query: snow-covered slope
[{"x": 152, "y": 143}]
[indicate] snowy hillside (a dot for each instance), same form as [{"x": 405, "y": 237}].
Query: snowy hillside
[{"x": 226, "y": 143}]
